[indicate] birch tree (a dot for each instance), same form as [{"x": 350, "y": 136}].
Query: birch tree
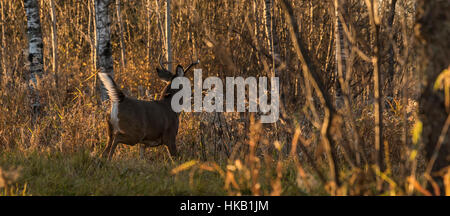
[
  {"x": 35, "y": 54},
  {"x": 340, "y": 54},
  {"x": 104, "y": 50}
]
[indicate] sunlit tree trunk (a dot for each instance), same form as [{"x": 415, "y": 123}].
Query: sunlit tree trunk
[
  {"x": 94, "y": 39},
  {"x": 35, "y": 53},
  {"x": 433, "y": 57},
  {"x": 122, "y": 45},
  {"x": 104, "y": 51},
  {"x": 54, "y": 42},
  {"x": 374, "y": 21}
]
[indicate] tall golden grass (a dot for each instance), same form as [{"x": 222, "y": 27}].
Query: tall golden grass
[{"x": 232, "y": 151}]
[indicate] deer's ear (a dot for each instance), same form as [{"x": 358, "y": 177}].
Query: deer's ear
[
  {"x": 164, "y": 74},
  {"x": 180, "y": 71}
]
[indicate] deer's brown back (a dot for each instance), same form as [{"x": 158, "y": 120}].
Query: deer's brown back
[{"x": 144, "y": 120}]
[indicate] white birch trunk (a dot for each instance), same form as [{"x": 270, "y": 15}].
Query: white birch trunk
[
  {"x": 104, "y": 51},
  {"x": 35, "y": 45}
]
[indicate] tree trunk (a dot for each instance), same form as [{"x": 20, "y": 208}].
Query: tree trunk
[
  {"x": 433, "y": 47},
  {"x": 123, "y": 61},
  {"x": 342, "y": 94},
  {"x": 377, "y": 83},
  {"x": 271, "y": 35},
  {"x": 93, "y": 40},
  {"x": 391, "y": 61},
  {"x": 309, "y": 69},
  {"x": 341, "y": 57},
  {"x": 274, "y": 49},
  {"x": 168, "y": 37},
  {"x": 35, "y": 55},
  {"x": 149, "y": 28},
  {"x": 104, "y": 50},
  {"x": 54, "y": 42}
]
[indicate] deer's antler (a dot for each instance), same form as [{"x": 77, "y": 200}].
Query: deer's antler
[{"x": 191, "y": 65}]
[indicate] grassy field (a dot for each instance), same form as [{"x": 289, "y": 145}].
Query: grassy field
[
  {"x": 81, "y": 174},
  {"x": 328, "y": 141},
  {"x": 45, "y": 173}
]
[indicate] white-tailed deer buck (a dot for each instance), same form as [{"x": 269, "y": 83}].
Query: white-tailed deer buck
[{"x": 135, "y": 121}]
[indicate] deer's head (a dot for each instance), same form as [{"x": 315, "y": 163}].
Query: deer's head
[{"x": 168, "y": 77}]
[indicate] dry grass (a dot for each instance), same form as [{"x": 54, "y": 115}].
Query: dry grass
[{"x": 220, "y": 154}]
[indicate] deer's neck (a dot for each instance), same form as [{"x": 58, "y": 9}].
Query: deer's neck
[
  {"x": 166, "y": 98},
  {"x": 167, "y": 101}
]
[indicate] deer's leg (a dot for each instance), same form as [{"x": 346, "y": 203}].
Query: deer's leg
[
  {"x": 110, "y": 140},
  {"x": 169, "y": 140},
  {"x": 113, "y": 147}
]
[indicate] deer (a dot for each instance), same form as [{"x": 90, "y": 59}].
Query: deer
[{"x": 151, "y": 123}]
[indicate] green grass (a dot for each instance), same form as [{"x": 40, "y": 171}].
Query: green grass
[
  {"x": 82, "y": 174},
  {"x": 79, "y": 173}
]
